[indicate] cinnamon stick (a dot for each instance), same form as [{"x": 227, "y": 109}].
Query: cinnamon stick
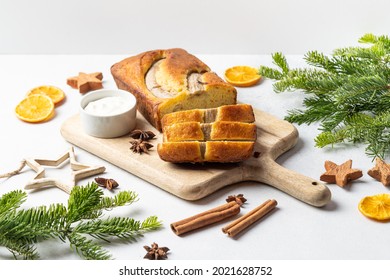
[
  {"x": 206, "y": 218},
  {"x": 248, "y": 219}
]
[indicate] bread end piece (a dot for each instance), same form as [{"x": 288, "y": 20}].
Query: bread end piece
[{"x": 178, "y": 152}]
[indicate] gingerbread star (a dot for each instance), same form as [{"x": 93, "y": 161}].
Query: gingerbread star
[
  {"x": 86, "y": 82},
  {"x": 381, "y": 172},
  {"x": 340, "y": 174}
]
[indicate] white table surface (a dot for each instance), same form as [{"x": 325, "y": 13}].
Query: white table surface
[{"x": 294, "y": 231}]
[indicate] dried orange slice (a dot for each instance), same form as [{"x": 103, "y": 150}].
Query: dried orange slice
[
  {"x": 242, "y": 76},
  {"x": 56, "y": 94},
  {"x": 35, "y": 108},
  {"x": 376, "y": 207},
  {"x": 53, "y": 113}
]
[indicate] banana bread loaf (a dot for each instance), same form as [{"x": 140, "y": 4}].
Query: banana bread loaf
[{"x": 165, "y": 81}]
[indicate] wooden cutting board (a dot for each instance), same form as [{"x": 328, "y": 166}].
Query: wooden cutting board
[{"x": 192, "y": 182}]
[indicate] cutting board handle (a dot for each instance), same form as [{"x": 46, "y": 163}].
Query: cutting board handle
[{"x": 297, "y": 185}]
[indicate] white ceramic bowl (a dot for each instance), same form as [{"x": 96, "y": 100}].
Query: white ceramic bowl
[{"x": 108, "y": 125}]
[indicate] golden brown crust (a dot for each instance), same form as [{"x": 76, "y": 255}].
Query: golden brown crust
[
  {"x": 234, "y": 113},
  {"x": 129, "y": 75},
  {"x": 195, "y": 115},
  {"x": 211, "y": 79},
  {"x": 214, "y": 151},
  {"x": 226, "y": 151},
  {"x": 233, "y": 131},
  {"x": 171, "y": 77},
  {"x": 217, "y": 131},
  {"x": 176, "y": 67},
  {"x": 198, "y": 132},
  {"x": 189, "y": 131},
  {"x": 189, "y": 151}
]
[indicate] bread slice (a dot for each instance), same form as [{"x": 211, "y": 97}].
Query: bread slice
[
  {"x": 233, "y": 113},
  {"x": 209, "y": 151},
  {"x": 223, "y": 134},
  {"x": 166, "y": 81},
  {"x": 216, "y": 131}
]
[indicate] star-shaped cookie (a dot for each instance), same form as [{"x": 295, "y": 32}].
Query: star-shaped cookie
[
  {"x": 381, "y": 172},
  {"x": 340, "y": 174},
  {"x": 86, "y": 82}
]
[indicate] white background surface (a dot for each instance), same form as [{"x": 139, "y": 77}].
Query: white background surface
[
  {"x": 294, "y": 231},
  {"x": 201, "y": 26}
]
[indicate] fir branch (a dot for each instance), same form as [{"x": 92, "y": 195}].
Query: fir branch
[
  {"x": 317, "y": 59},
  {"x": 270, "y": 73},
  {"x": 312, "y": 114},
  {"x": 87, "y": 248},
  {"x": 21, "y": 230},
  {"x": 151, "y": 223},
  {"x": 368, "y": 38},
  {"x": 35, "y": 224},
  {"x": 11, "y": 201},
  {"x": 281, "y": 62},
  {"x": 374, "y": 40},
  {"x": 82, "y": 203},
  {"x": 18, "y": 248},
  {"x": 121, "y": 199},
  {"x": 126, "y": 229},
  {"x": 348, "y": 92},
  {"x": 378, "y": 148},
  {"x": 122, "y": 228}
]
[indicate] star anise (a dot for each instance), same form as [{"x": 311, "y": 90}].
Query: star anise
[
  {"x": 109, "y": 184},
  {"x": 256, "y": 154},
  {"x": 142, "y": 134},
  {"x": 240, "y": 199},
  {"x": 139, "y": 146},
  {"x": 155, "y": 252}
]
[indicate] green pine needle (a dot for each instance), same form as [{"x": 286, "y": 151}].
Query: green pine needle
[
  {"x": 11, "y": 201},
  {"x": 22, "y": 229},
  {"x": 348, "y": 93},
  {"x": 83, "y": 201},
  {"x": 281, "y": 61},
  {"x": 87, "y": 248},
  {"x": 121, "y": 199}
]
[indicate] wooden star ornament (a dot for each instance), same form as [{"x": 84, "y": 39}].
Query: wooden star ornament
[
  {"x": 86, "y": 82},
  {"x": 340, "y": 174},
  {"x": 381, "y": 172},
  {"x": 80, "y": 171}
]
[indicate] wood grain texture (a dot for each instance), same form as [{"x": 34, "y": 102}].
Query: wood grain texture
[{"x": 275, "y": 137}]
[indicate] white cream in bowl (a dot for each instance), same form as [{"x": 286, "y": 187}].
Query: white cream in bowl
[
  {"x": 108, "y": 113},
  {"x": 108, "y": 106}
]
